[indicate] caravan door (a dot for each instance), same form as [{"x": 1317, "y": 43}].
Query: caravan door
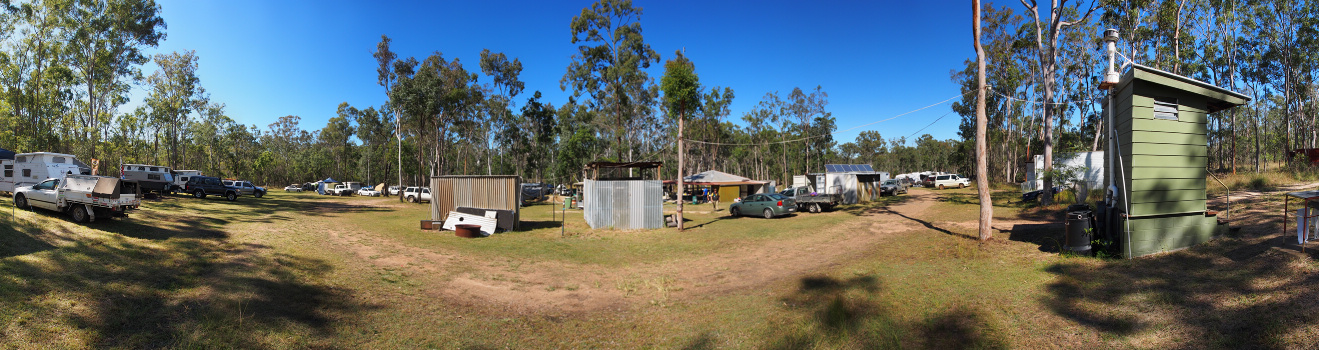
[{"x": 7, "y": 175}]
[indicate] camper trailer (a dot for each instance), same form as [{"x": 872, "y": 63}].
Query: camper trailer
[
  {"x": 7, "y": 177},
  {"x": 151, "y": 178},
  {"x": 181, "y": 178},
  {"x": 31, "y": 168}
]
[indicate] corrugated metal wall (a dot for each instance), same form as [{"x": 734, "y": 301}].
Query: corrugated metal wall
[
  {"x": 623, "y": 204},
  {"x": 488, "y": 192}
]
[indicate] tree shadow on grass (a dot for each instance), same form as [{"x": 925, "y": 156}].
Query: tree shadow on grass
[
  {"x": 1046, "y": 236},
  {"x": 18, "y": 237},
  {"x": 182, "y": 292},
  {"x": 875, "y": 206},
  {"x": 851, "y": 313},
  {"x": 1254, "y": 298}
]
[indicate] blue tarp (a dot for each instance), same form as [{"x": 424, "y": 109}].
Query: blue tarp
[
  {"x": 321, "y": 186},
  {"x": 6, "y": 154}
]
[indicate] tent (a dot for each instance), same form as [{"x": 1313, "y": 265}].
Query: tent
[
  {"x": 324, "y": 185},
  {"x": 730, "y": 186}
]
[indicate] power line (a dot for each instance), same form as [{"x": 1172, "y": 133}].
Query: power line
[
  {"x": 936, "y": 120},
  {"x": 823, "y": 135},
  {"x": 996, "y": 92}
]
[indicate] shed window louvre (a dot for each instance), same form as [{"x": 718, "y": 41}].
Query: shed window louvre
[
  {"x": 59, "y": 160},
  {"x": 1165, "y": 109}
]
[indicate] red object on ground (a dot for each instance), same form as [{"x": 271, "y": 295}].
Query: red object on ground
[
  {"x": 467, "y": 231},
  {"x": 1311, "y": 153}
]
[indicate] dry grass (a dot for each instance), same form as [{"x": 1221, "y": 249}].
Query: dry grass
[{"x": 303, "y": 271}]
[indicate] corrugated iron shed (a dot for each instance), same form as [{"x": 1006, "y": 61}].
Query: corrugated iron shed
[
  {"x": 478, "y": 191},
  {"x": 634, "y": 204}
]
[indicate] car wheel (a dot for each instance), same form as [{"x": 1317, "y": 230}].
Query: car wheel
[
  {"x": 734, "y": 212},
  {"x": 231, "y": 196},
  {"x": 941, "y": 187},
  {"x": 815, "y": 208},
  {"x": 769, "y": 214},
  {"x": 961, "y": 185},
  {"x": 20, "y": 202},
  {"x": 412, "y": 199},
  {"x": 199, "y": 194},
  {"x": 79, "y": 213},
  {"x": 258, "y": 194}
]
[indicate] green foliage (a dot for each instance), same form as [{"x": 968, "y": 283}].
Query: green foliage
[
  {"x": 681, "y": 86},
  {"x": 608, "y": 69}
]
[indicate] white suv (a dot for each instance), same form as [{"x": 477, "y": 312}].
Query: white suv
[
  {"x": 417, "y": 194},
  {"x": 950, "y": 180}
]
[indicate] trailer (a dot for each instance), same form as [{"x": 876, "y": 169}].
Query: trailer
[
  {"x": 26, "y": 169},
  {"x": 181, "y": 178},
  {"x": 84, "y": 197},
  {"x": 152, "y": 178}
]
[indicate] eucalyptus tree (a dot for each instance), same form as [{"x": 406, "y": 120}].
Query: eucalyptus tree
[
  {"x": 174, "y": 95},
  {"x": 610, "y": 63},
  {"x": 337, "y": 135},
  {"x": 505, "y": 84},
  {"x": 431, "y": 102},
  {"x": 1048, "y": 32},
  {"x": 538, "y": 125},
  {"x": 682, "y": 96},
  {"x": 36, "y": 74},
  {"x": 105, "y": 49},
  {"x": 373, "y": 129}
]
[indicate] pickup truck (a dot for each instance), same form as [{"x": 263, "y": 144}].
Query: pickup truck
[
  {"x": 201, "y": 186},
  {"x": 342, "y": 190},
  {"x": 417, "y": 194},
  {"x": 809, "y": 200},
  {"x": 892, "y": 187},
  {"x": 83, "y": 197}
]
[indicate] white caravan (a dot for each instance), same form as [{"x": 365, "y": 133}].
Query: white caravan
[
  {"x": 7, "y": 177},
  {"x": 31, "y": 168},
  {"x": 181, "y": 178}
]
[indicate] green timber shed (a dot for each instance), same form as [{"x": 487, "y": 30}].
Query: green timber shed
[{"x": 1161, "y": 123}]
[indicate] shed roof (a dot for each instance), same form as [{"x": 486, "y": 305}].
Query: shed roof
[
  {"x": 623, "y": 165},
  {"x": 715, "y": 177},
  {"x": 472, "y": 176},
  {"x": 1219, "y": 98}
]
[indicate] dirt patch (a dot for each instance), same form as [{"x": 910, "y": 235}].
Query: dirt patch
[{"x": 556, "y": 287}]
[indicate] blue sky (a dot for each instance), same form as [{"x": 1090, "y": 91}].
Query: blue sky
[{"x": 876, "y": 59}]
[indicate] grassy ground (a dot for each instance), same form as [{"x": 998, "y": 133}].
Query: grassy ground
[{"x": 306, "y": 271}]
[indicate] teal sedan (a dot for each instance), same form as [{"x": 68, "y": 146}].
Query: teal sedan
[{"x": 766, "y": 205}]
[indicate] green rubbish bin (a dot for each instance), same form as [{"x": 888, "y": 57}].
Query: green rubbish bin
[{"x": 567, "y": 203}]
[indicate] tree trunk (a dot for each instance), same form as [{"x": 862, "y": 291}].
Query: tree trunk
[
  {"x": 678, "y": 218},
  {"x": 982, "y": 157}
]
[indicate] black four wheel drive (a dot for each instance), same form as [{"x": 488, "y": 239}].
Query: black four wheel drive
[{"x": 202, "y": 186}]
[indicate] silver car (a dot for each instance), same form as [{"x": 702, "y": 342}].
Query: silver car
[{"x": 246, "y": 188}]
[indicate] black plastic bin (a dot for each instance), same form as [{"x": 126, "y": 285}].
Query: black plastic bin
[{"x": 1078, "y": 233}]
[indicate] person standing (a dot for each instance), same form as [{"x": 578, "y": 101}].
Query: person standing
[{"x": 714, "y": 200}]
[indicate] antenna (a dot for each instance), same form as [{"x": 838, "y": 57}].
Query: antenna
[{"x": 1111, "y": 76}]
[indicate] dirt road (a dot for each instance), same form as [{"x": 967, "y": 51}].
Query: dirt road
[{"x": 557, "y": 287}]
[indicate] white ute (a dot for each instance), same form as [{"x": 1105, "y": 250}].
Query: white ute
[{"x": 83, "y": 197}]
